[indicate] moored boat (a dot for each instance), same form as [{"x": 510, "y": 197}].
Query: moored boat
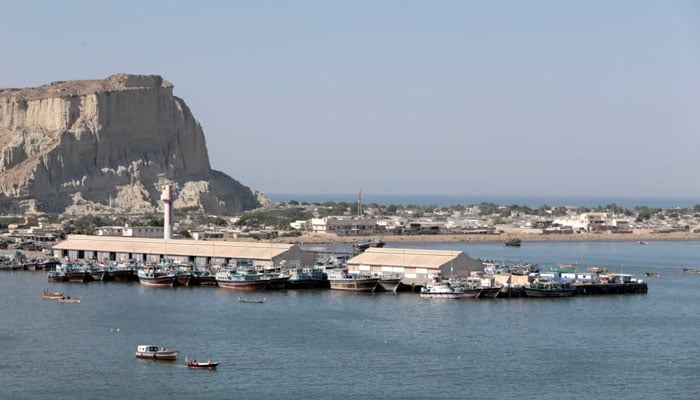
[
  {"x": 549, "y": 288},
  {"x": 74, "y": 273},
  {"x": 360, "y": 247},
  {"x": 441, "y": 290},
  {"x": 56, "y": 276},
  {"x": 652, "y": 274},
  {"x": 388, "y": 282},
  {"x": 352, "y": 282},
  {"x": 306, "y": 278},
  {"x": 156, "y": 278},
  {"x": 154, "y": 353},
  {"x": 247, "y": 279}
]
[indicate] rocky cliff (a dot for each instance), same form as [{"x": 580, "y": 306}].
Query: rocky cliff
[{"x": 107, "y": 146}]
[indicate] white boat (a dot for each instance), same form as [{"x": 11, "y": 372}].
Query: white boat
[
  {"x": 154, "y": 353},
  {"x": 440, "y": 291}
]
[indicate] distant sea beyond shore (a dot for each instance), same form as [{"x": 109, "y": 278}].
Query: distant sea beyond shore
[{"x": 529, "y": 201}]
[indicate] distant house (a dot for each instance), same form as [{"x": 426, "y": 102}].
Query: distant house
[
  {"x": 346, "y": 226},
  {"x": 131, "y": 231}
]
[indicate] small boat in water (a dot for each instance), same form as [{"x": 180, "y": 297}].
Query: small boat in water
[
  {"x": 514, "y": 242},
  {"x": 652, "y": 274},
  {"x": 69, "y": 300},
  {"x": 691, "y": 271},
  {"x": 202, "y": 365},
  {"x": 251, "y": 300},
  {"x": 52, "y": 295},
  {"x": 154, "y": 353}
]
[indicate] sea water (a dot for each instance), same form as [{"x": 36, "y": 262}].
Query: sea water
[{"x": 320, "y": 344}]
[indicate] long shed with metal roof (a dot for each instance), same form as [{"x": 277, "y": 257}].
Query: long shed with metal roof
[
  {"x": 197, "y": 251},
  {"x": 416, "y": 266}
]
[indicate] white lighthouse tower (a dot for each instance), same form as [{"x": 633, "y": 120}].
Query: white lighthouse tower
[{"x": 167, "y": 197}]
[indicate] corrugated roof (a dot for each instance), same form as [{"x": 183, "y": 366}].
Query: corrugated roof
[
  {"x": 174, "y": 247},
  {"x": 400, "y": 257}
]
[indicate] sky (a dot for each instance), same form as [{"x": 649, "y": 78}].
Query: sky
[{"x": 555, "y": 98}]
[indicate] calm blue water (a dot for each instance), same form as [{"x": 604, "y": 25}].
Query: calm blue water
[
  {"x": 530, "y": 201},
  {"x": 326, "y": 344}
]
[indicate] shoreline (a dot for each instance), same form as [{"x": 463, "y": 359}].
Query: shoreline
[{"x": 495, "y": 238}]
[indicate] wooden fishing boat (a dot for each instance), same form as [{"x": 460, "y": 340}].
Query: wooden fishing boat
[
  {"x": 52, "y": 295},
  {"x": 152, "y": 352},
  {"x": 202, "y": 365},
  {"x": 340, "y": 280},
  {"x": 156, "y": 277}
]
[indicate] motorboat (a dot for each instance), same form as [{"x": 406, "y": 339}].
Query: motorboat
[
  {"x": 441, "y": 290},
  {"x": 154, "y": 353},
  {"x": 202, "y": 365}
]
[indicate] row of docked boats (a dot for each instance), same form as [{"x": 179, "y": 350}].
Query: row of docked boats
[
  {"x": 540, "y": 287},
  {"x": 240, "y": 277},
  {"x": 463, "y": 288}
]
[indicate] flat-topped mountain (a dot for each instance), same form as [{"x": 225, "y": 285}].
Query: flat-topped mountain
[{"x": 107, "y": 146}]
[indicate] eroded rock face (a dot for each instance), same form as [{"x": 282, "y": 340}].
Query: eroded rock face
[{"x": 107, "y": 145}]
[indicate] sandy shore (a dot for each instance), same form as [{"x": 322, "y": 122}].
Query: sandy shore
[{"x": 524, "y": 236}]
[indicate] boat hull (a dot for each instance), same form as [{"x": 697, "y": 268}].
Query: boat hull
[
  {"x": 531, "y": 292},
  {"x": 157, "y": 356},
  {"x": 122, "y": 275},
  {"x": 489, "y": 292},
  {"x": 209, "y": 365},
  {"x": 388, "y": 285},
  {"x": 441, "y": 295},
  {"x": 160, "y": 281},
  {"x": 54, "y": 276},
  {"x": 78, "y": 276},
  {"x": 242, "y": 285},
  {"x": 354, "y": 285}
]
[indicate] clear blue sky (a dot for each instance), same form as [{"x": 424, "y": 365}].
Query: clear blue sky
[{"x": 404, "y": 97}]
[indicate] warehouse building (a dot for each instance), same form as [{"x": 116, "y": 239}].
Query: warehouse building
[
  {"x": 416, "y": 266},
  {"x": 146, "y": 250}
]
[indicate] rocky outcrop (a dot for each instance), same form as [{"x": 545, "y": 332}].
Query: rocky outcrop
[{"x": 107, "y": 146}]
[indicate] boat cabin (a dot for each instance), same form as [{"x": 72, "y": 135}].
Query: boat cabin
[{"x": 147, "y": 349}]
